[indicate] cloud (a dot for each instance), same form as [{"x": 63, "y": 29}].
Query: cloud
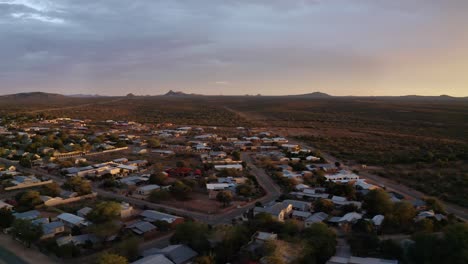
[
  {"x": 262, "y": 45},
  {"x": 39, "y": 17}
]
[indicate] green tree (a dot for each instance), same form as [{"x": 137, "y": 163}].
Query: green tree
[
  {"x": 78, "y": 184},
  {"x": 236, "y": 155},
  {"x": 194, "y": 235},
  {"x": 320, "y": 243},
  {"x": 181, "y": 190},
  {"x": 434, "y": 204},
  {"x": 51, "y": 189},
  {"x": 6, "y": 217},
  {"x": 377, "y": 202},
  {"x": 323, "y": 205},
  {"x": 26, "y": 231},
  {"x": 30, "y": 199},
  {"x": 68, "y": 251},
  {"x": 245, "y": 189},
  {"x": 158, "y": 178},
  {"x": 104, "y": 212},
  {"x": 129, "y": 248},
  {"x": 25, "y": 162},
  {"x": 105, "y": 230},
  {"x": 154, "y": 143},
  {"x": 224, "y": 197},
  {"x": 157, "y": 196},
  {"x": 108, "y": 258}
]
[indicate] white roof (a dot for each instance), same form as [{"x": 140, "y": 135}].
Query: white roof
[
  {"x": 350, "y": 217},
  {"x": 153, "y": 259},
  {"x": 378, "y": 219},
  {"x": 217, "y": 186},
  {"x": 149, "y": 187}
]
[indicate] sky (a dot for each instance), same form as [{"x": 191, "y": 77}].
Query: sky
[{"x": 271, "y": 47}]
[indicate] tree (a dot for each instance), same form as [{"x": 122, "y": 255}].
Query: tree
[
  {"x": 105, "y": 230},
  {"x": 320, "y": 241},
  {"x": 25, "y": 162},
  {"x": 157, "y": 196},
  {"x": 180, "y": 190},
  {"x": 79, "y": 185},
  {"x": 377, "y": 202},
  {"x": 224, "y": 197},
  {"x": 181, "y": 164},
  {"x": 154, "y": 143},
  {"x": 129, "y": 248},
  {"x": 194, "y": 235},
  {"x": 26, "y": 231},
  {"x": 30, "y": 199},
  {"x": 68, "y": 251},
  {"x": 158, "y": 178},
  {"x": 6, "y": 217},
  {"x": 108, "y": 258},
  {"x": 51, "y": 189},
  {"x": 323, "y": 205},
  {"x": 245, "y": 189},
  {"x": 363, "y": 244},
  {"x": 104, "y": 212},
  {"x": 434, "y": 204},
  {"x": 236, "y": 155}
]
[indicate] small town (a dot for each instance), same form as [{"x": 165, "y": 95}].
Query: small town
[{"x": 127, "y": 192}]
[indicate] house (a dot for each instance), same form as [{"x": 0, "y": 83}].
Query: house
[
  {"x": 159, "y": 259},
  {"x": 126, "y": 210},
  {"x": 83, "y": 211},
  {"x": 350, "y": 217},
  {"x": 71, "y": 220},
  {"x": 147, "y": 189},
  {"x": 134, "y": 180},
  {"x": 359, "y": 260},
  {"x": 264, "y": 236},
  {"x": 29, "y": 215},
  {"x": 5, "y": 205},
  {"x": 217, "y": 186},
  {"x": 279, "y": 211},
  {"x": 178, "y": 254},
  {"x": 142, "y": 227},
  {"x": 51, "y": 229},
  {"x": 77, "y": 240},
  {"x": 378, "y": 220},
  {"x": 342, "y": 177},
  {"x": 301, "y": 215},
  {"x": 299, "y": 205},
  {"x": 315, "y": 218},
  {"x": 237, "y": 167},
  {"x": 152, "y": 216}
]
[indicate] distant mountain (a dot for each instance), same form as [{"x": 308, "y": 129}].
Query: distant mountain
[
  {"x": 85, "y": 95},
  {"x": 179, "y": 94},
  {"x": 32, "y": 96},
  {"x": 313, "y": 95}
]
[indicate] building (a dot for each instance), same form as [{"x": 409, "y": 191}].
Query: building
[
  {"x": 315, "y": 218},
  {"x": 342, "y": 177},
  {"x": 142, "y": 227},
  {"x": 237, "y": 167},
  {"x": 71, "y": 220},
  {"x": 279, "y": 211},
  {"x": 29, "y": 215},
  {"x": 147, "y": 189},
  {"x": 178, "y": 254},
  {"x": 159, "y": 259},
  {"x": 359, "y": 260},
  {"x": 51, "y": 229},
  {"x": 153, "y": 216}
]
